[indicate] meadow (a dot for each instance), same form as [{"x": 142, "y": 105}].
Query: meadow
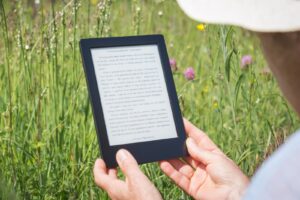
[{"x": 48, "y": 142}]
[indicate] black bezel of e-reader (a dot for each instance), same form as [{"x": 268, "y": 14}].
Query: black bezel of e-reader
[{"x": 143, "y": 152}]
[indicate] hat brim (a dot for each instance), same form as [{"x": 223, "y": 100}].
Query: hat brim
[{"x": 255, "y": 15}]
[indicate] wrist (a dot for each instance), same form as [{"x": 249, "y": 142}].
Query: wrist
[
  {"x": 235, "y": 195},
  {"x": 238, "y": 192}
]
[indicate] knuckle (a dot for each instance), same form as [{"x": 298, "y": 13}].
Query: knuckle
[
  {"x": 129, "y": 166},
  {"x": 99, "y": 182}
]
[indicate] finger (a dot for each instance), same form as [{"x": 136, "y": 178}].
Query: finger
[
  {"x": 201, "y": 138},
  {"x": 181, "y": 180},
  {"x": 193, "y": 131},
  {"x": 100, "y": 174},
  {"x": 204, "y": 156},
  {"x": 129, "y": 165},
  {"x": 198, "y": 179},
  {"x": 182, "y": 167},
  {"x": 192, "y": 162},
  {"x": 113, "y": 173},
  {"x": 107, "y": 181}
]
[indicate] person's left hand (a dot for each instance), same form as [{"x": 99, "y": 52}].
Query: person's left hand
[{"x": 136, "y": 186}]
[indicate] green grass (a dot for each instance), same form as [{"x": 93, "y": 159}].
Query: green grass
[{"x": 47, "y": 137}]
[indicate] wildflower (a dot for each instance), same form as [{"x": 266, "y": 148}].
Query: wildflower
[
  {"x": 94, "y": 2},
  {"x": 160, "y": 13},
  {"x": 189, "y": 73},
  {"x": 246, "y": 61},
  {"x": 257, "y": 101},
  {"x": 215, "y": 105},
  {"x": 27, "y": 47},
  {"x": 201, "y": 27},
  {"x": 173, "y": 64},
  {"x": 266, "y": 71},
  {"x": 206, "y": 89},
  {"x": 39, "y": 145}
]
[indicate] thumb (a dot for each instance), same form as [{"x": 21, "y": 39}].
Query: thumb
[
  {"x": 129, "y": 165},
  {"x": 204, "y": 156}
]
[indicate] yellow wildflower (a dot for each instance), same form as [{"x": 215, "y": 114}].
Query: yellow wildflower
[
  {"x": 206, "y": 89},
  {"x": 201, "y": 27},
  {"x": 215, "y": 104},
  {"x": 94, "y": 2}
]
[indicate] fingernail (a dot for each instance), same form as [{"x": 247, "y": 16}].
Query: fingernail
[
  {"x": 121, "y": 155},
  {"x": 190, "y": 141}
]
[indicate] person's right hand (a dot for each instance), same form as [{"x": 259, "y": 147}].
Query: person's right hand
[{"x": 207, "y": 173}]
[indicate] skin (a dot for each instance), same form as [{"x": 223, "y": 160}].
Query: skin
[
  {"x": 207, "y": 173},
  {"x": 282, "y": 51},
  {"x": 136, "y": 184}
]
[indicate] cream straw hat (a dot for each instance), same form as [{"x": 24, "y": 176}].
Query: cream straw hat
[{"x": 255, "y": 15}]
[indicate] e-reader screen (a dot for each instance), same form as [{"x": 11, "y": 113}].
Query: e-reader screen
[{"x": 133, "y": 93}]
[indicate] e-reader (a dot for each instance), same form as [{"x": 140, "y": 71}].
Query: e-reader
[{"x": 133, "y": 98}]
